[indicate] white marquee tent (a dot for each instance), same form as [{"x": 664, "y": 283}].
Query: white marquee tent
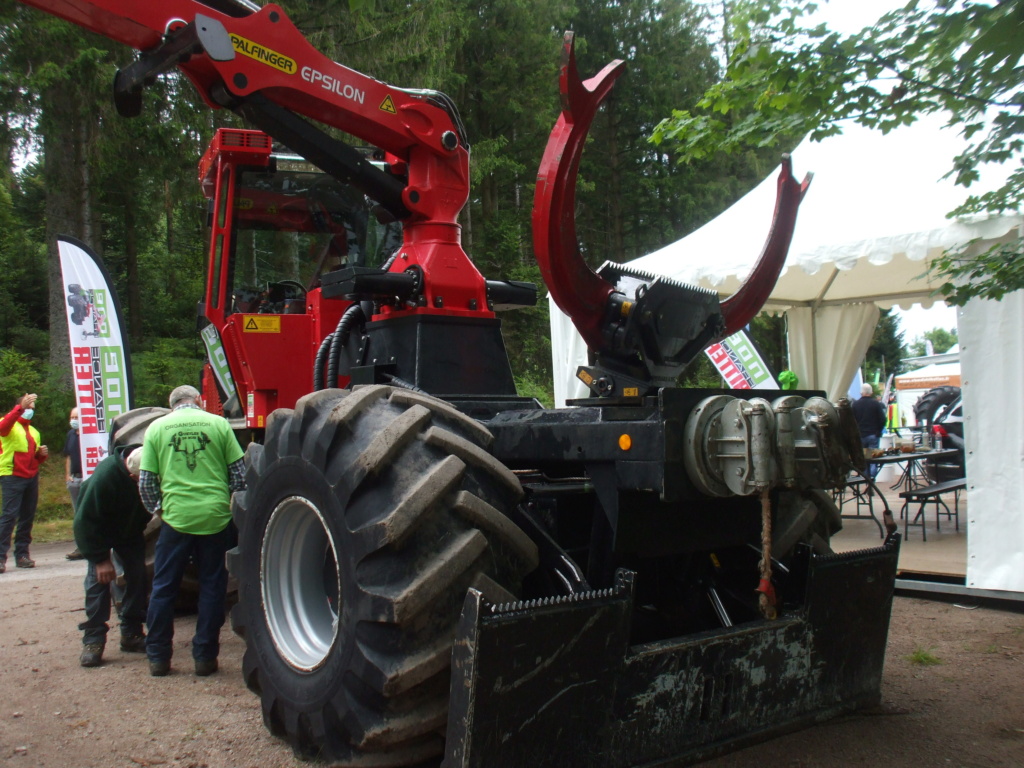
[{"x": 873, "y": 218}]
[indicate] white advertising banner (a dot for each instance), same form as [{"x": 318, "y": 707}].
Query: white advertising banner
[
  {"x": 100, "y": 361},
  {"x": 740, "y": 364}
]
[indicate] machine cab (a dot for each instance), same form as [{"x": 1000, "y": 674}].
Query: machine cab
[{"x": 278, "y": 226}]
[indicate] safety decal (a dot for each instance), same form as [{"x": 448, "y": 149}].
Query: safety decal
[
  {"x": 265, "y": 55},
  {"x": 388, "y": 106},
  {"x": 261, "y": 324}
]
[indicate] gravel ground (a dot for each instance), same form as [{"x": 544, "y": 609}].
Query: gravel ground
[{"x": 966, "y": 710}]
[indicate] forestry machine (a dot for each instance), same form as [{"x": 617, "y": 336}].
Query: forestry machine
[{"x": 432, "y": 569}]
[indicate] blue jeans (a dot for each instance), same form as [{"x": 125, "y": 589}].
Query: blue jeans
[
  {"x": 19, "y": 508},
  {"x": 871, "y": 441},
  {"x": 173, "y": 550},
  {"x": 133, "y": 605}
]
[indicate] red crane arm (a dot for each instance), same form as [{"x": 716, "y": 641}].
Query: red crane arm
[{"x": 260, "y": 65}]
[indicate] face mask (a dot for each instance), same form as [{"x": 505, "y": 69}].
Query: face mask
[
  {"x": 74, "y": 424},
  {"x": 28, "y": 413}
]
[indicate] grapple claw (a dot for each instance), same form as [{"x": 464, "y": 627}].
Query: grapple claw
[
  {"x": 740, "y": 308},
  {"x": 581, "y": 293}
]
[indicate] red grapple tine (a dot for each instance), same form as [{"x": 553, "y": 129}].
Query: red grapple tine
[
  {"x": 580, "y": 293},
  {"x": 740, "y": 308}
]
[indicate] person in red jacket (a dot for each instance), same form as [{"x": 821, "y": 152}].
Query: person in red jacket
[{"x": 20, "y": 456}]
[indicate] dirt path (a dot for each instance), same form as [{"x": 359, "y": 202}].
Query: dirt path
[{"x": 966, "y": 711}]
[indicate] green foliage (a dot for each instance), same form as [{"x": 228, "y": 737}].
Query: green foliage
[
  {"x": 941, "y": 339},
  {"x": 886, "y": 349},
  {"x": 990, "y": 274},
  {"x": 959, "y": 59},
  {"x": 528, "y": 342},
  {"x": 23, "y": 298},
  {"x": 164, "y": 365},
  {"x": 19, "y": 374}
]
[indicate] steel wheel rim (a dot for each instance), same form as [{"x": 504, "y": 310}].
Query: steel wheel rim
[{"x": 301, "y": 594}]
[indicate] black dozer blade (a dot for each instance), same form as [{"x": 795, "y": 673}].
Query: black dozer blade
[{"x": 555, "y": 681}]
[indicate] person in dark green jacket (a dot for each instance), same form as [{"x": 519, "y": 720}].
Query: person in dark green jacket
[{"x": 111, "y": 517}]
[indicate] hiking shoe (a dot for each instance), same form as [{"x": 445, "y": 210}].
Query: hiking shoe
[
  {"x": 92, "y": 655},
  {"x": 160, "y": 668},
  {"x": 25, "y": 562},
  {"x": 205, "y": 667},
  {"x": 74, "y": 554},
  {"x": 133, "y": 643}
]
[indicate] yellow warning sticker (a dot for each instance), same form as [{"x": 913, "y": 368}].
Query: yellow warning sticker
[
  {"x": 388, "y": 106},
  {"x": 261, "y": 324},
  {"x": 631, "y": 392}
]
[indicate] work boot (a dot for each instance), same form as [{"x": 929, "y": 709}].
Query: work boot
[
  {"x": 160, "y": 668},
  {"x": 25, "y": 562},
  {"x": 131, "y": 643},
  {"x": 92, "y": 655},
  {"x": 74, "y": 554},
  {"x": 205, "y": 667},
  {"x": 3, "y": 566}
]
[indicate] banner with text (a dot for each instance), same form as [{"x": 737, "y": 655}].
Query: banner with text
[
  {"x": 100, "y": 360},
  {"x": 740, "y": 364}
]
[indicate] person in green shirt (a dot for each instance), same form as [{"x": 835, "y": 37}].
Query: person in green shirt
[{"x": 191, "y": 464}]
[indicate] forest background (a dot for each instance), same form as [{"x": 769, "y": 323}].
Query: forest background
[{"x": 128, "y": 188}]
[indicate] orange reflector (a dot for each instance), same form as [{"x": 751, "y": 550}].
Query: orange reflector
[{"x": 625, "y": 442}]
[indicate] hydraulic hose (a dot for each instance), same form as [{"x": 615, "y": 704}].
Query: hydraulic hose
[
  {"x": 320, "y": 362},
  {"x": 352, "y": 316}
]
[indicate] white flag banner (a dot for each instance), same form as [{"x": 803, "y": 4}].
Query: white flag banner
[{"x": 100, "y": 360}]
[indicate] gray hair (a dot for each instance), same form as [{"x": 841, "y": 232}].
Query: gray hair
[
  {"x": 866, "y": 390},
  {"x": 182, "y": 393}
]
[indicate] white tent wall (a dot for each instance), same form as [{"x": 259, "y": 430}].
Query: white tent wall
[
  {"x": 991, "y": 339},
  {"x": 826, "y": 345},
  {"x": 568, "y": 352}
]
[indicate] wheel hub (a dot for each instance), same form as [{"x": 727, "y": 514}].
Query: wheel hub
[{"x": 301, "y": 585}]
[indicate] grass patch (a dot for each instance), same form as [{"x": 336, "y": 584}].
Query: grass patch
[
  {"x": 54, "y": 515},
  {"x": 51, "y": 531},
  {"x": 923, "y": 658}
]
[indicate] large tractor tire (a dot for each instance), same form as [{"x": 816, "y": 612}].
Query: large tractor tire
[
  {"x": 367, "y": 516},
  {"x": 931, "y": 402},
  {"x": 130, "y": 427}
]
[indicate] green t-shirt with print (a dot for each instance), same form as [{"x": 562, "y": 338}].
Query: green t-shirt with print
[{"x": 191, "y": 450}]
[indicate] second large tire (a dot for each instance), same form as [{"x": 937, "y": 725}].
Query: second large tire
[
  {"x": 931, "y": 402},
  {"x": 367, "y": 516}
]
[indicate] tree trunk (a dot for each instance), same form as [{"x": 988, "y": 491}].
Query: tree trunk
[
  {"x": 63, "y": 166},
  {"x": 131, "y": 260}
]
